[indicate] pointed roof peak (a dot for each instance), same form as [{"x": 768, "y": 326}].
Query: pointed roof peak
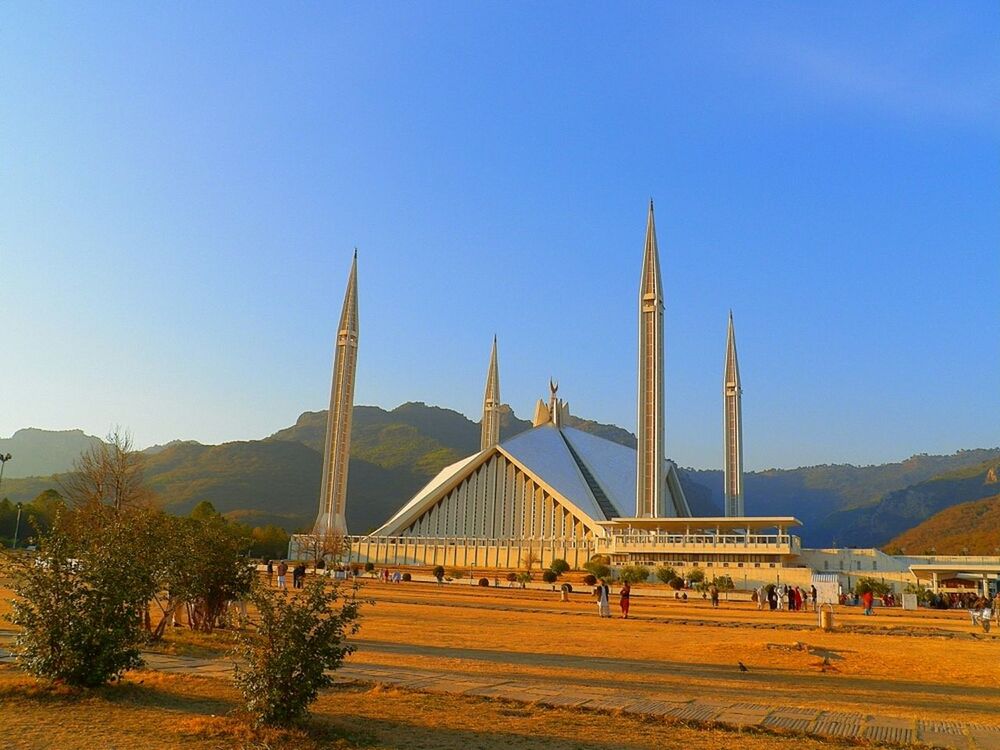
[{"x": 355, "y": 253}]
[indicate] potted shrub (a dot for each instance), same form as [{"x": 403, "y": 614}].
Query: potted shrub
[
  {"x": 550, "y": 577},
  {"x": 407, "y": 577},
  {"x": 484, "y": 582},
  {"x": 438, "y": 573},
  {"x": 590, "y": 579}
]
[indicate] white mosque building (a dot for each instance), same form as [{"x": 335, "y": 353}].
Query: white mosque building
[{"x": 556, "y": 492}]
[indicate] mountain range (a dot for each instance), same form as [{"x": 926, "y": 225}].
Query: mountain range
[{"x": 394, "y": 453}]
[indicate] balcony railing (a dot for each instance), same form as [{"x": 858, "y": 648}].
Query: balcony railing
[{"x": 785, "y": 543}]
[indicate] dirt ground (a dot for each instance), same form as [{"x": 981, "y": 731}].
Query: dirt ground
[
  {"x": 669, "y": 648},
  {"x": 924, "y": 664}
]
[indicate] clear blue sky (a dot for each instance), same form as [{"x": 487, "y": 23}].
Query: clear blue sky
[{"x": 182, "y": 184}]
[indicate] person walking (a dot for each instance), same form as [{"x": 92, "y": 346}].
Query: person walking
[
  {"x": 623, "y": 599},
  {"x": 868, "y": 601},
  {"x": 813, "y": 596},
  {"x": 299, "y": 575},
  {"x": 270, "y": 571},
  {"x": 713, "y": 592},
  {"x": 282, "y": 570}
]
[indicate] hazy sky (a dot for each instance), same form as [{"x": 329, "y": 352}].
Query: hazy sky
[{"x": 182, "y": 185}]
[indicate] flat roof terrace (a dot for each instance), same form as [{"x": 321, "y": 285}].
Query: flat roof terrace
[{"x": 726, "y": 524}]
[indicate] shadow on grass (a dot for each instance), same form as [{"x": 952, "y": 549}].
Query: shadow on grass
[{"x": 137, "y": 689}]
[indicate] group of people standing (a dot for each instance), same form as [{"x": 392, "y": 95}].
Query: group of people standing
[
  {"x": 784, "y": 597},
  {"x": 298, "y": 574},
  {"x": 602, "y": 595}
]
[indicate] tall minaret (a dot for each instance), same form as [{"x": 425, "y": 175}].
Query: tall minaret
[
  {"x": 491, "y": 404},
  {"x": 333, "y": 492},
  {"x": 733, "y": 418},
  {"x": 650, "y": 467}
]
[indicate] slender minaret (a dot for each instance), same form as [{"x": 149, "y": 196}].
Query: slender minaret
[
  {"x": 732, "y": 395},
  {"x": 336, "y": 457},
  {"x": 491, "y": 404},
  {"x": 650, "y": 467}
]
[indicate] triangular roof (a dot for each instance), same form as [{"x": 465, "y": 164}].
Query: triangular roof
[{"x": 592, "y": 476}]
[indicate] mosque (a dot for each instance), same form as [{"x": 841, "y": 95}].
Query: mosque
[{"x": 556, "y": 492}]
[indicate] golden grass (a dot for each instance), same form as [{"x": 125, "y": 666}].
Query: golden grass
[
  {"x": 485, "y": 632},
  {"x": 170, "y": 711},
  {"x": 669, "y": 649}
]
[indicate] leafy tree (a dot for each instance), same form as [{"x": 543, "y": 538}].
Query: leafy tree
[
  {"x": 550, "y": 576},
  {"x": 559, "y": 566},
  {"x": 269, "y": 542},
  {"x": 666, "y": 574},
  {"x": 590, "y": 579},
  {"x": 598, "y": 568},
  {"x": 877, "y": 587},
  {"x": 204, "y": 511},
  {"x": 676, "y": 583},
  {"x": 697, "y": 575},
  {"x": 634, "y": 574},
  {"x": 204, "y": 565},
  {"x": 438, "y": 573},
  {"x": 297, "y": 640},
  {"x": 724, "y": 584},
  {"x": 80, "y": 601}
]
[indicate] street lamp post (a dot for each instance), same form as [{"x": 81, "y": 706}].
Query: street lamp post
[
  {"x": 17, "y": 525},
  {"x": 4, "y": 458}
]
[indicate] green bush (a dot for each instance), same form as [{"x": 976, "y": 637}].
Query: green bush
[
  {"x": 697, "y": 575},
  {"x": 550, "y": 576},
  {"x": 676, "y": 583},
  {"x": 369, "y": 567},
  {"x": 597, "y": 568},
  {"x": 512, "y": 577},
  {"x": 407, "y": 577},
  {"x": 439, "y": 573},
  {"x": 297, "y": 641},
  {"x": 877, "y": 587},
  {"x": 484, "y": 582},
  {"x": 590, "y": 579},
  {"x": 665, "y": 574},
  {"x": 79, "y": 602},
  {"x": 633, "y": 574},
  {"x": 559, "y": 567}
]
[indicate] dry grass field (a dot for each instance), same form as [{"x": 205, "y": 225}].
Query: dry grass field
[
  {"x": 157, "y": 711},
  {"x": 689, "y": 649},
  {"x": 923, "y": 664}
]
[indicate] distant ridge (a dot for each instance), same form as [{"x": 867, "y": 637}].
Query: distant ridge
[
  {"x": 971, "y": 528},
  {"x": 394, "y": 453},
  {"x": 39, "y": 453}
]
